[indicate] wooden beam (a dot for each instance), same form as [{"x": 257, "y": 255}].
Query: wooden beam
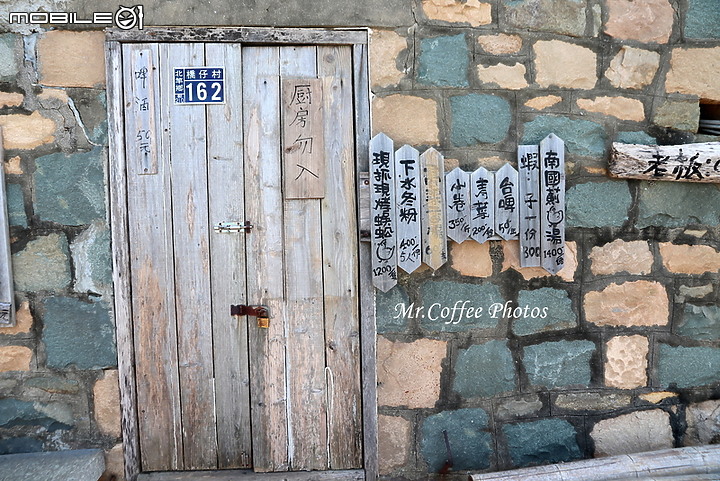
[
  {"x": 680, "y": 163},
  {"x": 245, "y": 35}
]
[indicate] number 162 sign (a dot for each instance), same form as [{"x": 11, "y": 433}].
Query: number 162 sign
[{"x": 199, "y": 85}]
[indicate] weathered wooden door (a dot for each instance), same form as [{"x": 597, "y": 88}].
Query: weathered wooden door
[{"x": 216, "y": 391}]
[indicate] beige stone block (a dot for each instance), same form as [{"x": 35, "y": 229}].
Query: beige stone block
[
  {"x": 544, "y": 102},
  {"x": 450, "y": 164},
  {"x": 622, "y": 108},
  {"x": 471, "y": 258},
  {"x": 635, "y": 432},
  {"x": 385, "y": 47},
  {"x": 23, "y": 320},
  {"x": 12, "y": 166},
  {"x": 633, "y": 257},
  {"x": 11, "y": 99},
  {"x": 500, "y": 44},
  {"x": 687, "y": 259},
  {"x": 633, "y": 68},
  {"x": 72, "y": 59},
  {"x": 106, "y": 396},
  {"x": 511, "y": 260},
  {"x": 492, "y": 163},
  {"x": 657, "y": 397},
  {"x": 694, "y": 71},
  {"x": 596, "y": 170},
  {"x": 703, "y": 423},
  {"x": 648, "y": 21},
  {"x": 695, "y": 292},
  {"x": 636, "y": 303},
  {"x": 678, "y": 114},
  {"x": 115, "y": 463},
  {"x": 394, "y": 442},
  {"x": 26, "y": 131},
  {"x": 564, "y": 64},
  {"x": 504, "y": 76},
  {"x": 626, "y": 362},
  {"x": 474, "y": 12},
  {"x": 15, "y": 358},
  {"x": 58, "y": 94},
  {"x": 406, "y": 119},
  {"x": 409, "y": 373}
]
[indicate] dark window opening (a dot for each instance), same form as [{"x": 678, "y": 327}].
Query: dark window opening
[{"x": 709, "y": 117}]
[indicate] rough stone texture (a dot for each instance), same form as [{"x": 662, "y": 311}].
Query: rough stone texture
[
  {"x": 72, "y": 59},
  {"x": 91, "y": 258},
  {"x": 636, "y": 303},
  {"x": 471, "y": 259},
  {"x": 43, "y": 265},
  {"x": 633, "y": 68},
  {"x": 115, "y": 463},
  {"x": 655, "y": 209},
  {"x": 678, "y": 114},
  {"x": 91, "y": 104},
  {"x": 394, "y": 442},
  {"x": 15, "y": 412},
  {"x": 635, "y": 432},
  {"x": 15, "y": 205},
  {"x": 579, "y": 65},
  {"x": 11, "y": 99},
  {"x": 626, "y": 362},
  {"x": 703, "y": 423},
  {"x": 23, "y": 321},
  {"x": 439, "y": 295},
  {"x": 78, "y": 333},
  {"x": 544, "y": 102},
  {"x": 687, "y": 366},
  {"x": 511, "y": 260},
  {"x": 8, "y": 62},
  {"x": 53, "y": 385},
  {"x": 592, "y": 401},
  {"x": 635, "y": 138},
  {"x": 693, "y": 71},
  {"x": 54, "y": 466},
  {"x": 388, "y": 310},
  {"x": 484, "y": 370},
  {"x": 689, "y": 259},
  {"x": 409, "y": 373},
  {"x": 510, "y": 77},
  {"x": 443, "y": 61},
  {"x": 694, "y": 292},
  {"x": 406, "y": 119},
  {"x": 20, "y": 445},
  {"x": 542, "y": 442},
  {"x": 471, "y": 445},
  {"x": 519, "y": 407},
  {"x": 622, "y": 108},
  {"x": 479, "y": 118},
  {"x": 13, "y": 166},
  {"x": 657, "y": 397},
  {"x": 633, "y": 257},
  {"x": 385, "y": 47},
  {"x": 473, "y": 12},
  {"x": 70, "y": 190},
  {"x": 700, "y": 322},
  {"x": 22, "y": 131},
  {"x": 500, "y": 44},
  {"x": 106, "y": 398},
  {"x": 597, "y": 204},
  {"x": 559, "y": 314},
  {"x": 648, "y": 21},
  {"x": 702, "y": 19},
  {"x": 582, "y": 137},
  {"x": 558, "y": 364},
  {"x": 565, "y": 17},
  {"x": 15, "y": 358}
]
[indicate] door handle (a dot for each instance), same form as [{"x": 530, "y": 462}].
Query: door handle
[{"x": 260, "y": 312}]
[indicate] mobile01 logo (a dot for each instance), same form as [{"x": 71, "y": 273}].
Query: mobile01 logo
[{"x": 125, "y": 18}]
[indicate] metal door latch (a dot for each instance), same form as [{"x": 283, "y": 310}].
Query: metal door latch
[
  {"x": 229, "y": 227},
  {"x": 261, "y": 312}
]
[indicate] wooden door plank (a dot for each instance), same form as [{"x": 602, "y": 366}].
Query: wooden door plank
[
  {"x": 340, "y": 262},
  {"x": 152, "y": 278},
  {"x": 307, "y": 429},
  {"x": 227, "y": 262},
  {"x": 187, "y": 154},
  {"x": 265, "y": 263}
]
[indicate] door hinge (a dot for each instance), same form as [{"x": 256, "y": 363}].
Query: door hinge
[{"x": 230, "y": 227}]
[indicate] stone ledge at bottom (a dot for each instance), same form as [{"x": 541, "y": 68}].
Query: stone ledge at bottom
[{"x": 76, "y": 465}]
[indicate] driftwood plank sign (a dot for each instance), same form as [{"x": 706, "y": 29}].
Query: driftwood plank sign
[
  {"x": 482, "y": 208},
  {"x": 303, "y": 139},
  {"x": 552, "y": 189},
  {"x": 507, "y": 214},
  {"x": 142, "y": 120},
  {"x": 457, "y": 201},
  {"x": 529, "y": 180},
  {"x": 7, "y": 294},
  {"x": 684, "y": 163},
  {"x": 407, "y": 198},
  {"x": 383, "y": 205},
  {"x": 434, "y": 234}
]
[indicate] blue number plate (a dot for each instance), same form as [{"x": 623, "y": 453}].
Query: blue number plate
[{"x": 199, "y": 85}]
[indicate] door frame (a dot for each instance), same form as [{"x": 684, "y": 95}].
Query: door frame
[{"x": 357, "y": 38}]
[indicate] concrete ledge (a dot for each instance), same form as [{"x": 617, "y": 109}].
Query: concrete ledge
[
  {"x": 696, "y": 463},
  {"x": 78, "y": 465}
]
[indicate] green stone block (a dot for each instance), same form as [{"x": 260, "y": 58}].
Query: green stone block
[
  {"x": 702, "y": 19},
  {"x": 470, "y": 444},
  {"x": 14, "y": 412},
  {"x": 484, "y": 370},
  {"x": 389, "y": 310},
  {"x": 677, "y": 204},
  {"x": 559, "y": 364},
  {"x": 8, "y": 62},
  {"x": 688, "y": 366},
  {"x": 542, "y": 442},
  {"x": 16, "y": 205},
  {"x": 700, "y": 322},
  {"x": 479, "y": 119},
  {"x": 598, "y": 204},
  {"x": 635, "y": 138},
  {"x": 582, "y": 137},
  {"x": 444, "y": 61},
  {"x": 443, "y": 301},
  {"x": 43, "y": 265},
  {"x": 20, "y": 445},
  {"x": 553, "y": 308}
]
